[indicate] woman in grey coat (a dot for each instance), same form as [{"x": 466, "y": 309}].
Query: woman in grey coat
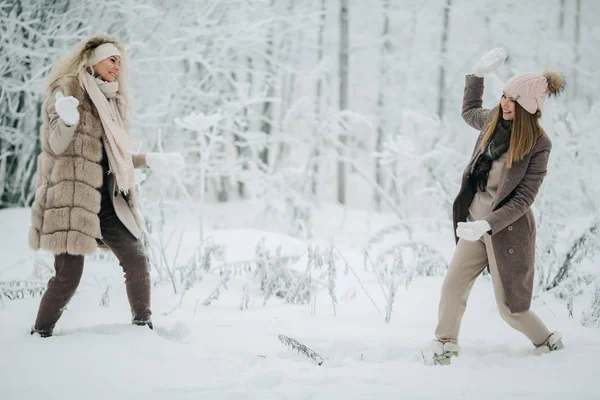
[{"x": 495, "y": 227}]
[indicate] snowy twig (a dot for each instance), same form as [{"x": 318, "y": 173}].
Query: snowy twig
[{"x": 300, "y": 348}]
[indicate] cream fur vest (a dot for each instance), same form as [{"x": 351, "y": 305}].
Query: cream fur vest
[{"x": 69, "y": 173}]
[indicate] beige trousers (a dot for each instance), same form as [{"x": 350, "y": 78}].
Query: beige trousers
[{"x": 469, "y": 260}]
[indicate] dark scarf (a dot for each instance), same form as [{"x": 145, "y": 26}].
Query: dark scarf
[{"x": 496, "y": 146}]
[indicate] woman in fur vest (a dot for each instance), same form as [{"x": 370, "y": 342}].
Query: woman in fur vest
[
  {"x": 492, "y": 212},
  {"x": 85, "y": 193}
]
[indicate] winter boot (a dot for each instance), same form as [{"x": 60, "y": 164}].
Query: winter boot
[
  {"x": 553, "y": 343},
  {"x": 143, "y": 323},
  {"x": 442, "y": 353},
  {"x": 41, "y": 333}
]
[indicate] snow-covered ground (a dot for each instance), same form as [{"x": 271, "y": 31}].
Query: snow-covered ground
[{"x": 222, "y": 352}]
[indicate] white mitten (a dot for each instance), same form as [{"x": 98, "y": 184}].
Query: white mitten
[
  {"x": 66, "y": 107},
  {"x": 167, "y": 163},
  {"x": 489, "y": 62},
  {"x": 472, "y": 231}
]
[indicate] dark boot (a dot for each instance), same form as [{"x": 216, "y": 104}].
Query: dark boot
[
  {"x": 143, "y": 323},
  {"x": 40, "y": 333}
]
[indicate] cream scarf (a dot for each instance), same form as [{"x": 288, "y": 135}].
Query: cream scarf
[{"x": 116, "y": 139}]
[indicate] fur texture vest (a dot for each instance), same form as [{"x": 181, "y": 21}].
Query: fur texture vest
[{"x": 67, "y": 199}]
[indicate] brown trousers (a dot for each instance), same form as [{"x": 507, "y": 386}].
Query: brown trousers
[
  {"x": 468, "y": 262},
  {"x": 132, "y": 256}
]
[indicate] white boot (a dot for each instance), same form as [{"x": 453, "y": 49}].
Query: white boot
[
  {"x": 553, "y": 343},
  {"x": 442, "y": 353}
]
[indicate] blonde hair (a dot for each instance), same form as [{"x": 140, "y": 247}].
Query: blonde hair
[
  {"x": 526, "y": 130},
  {"x": 79, "y": 59}
]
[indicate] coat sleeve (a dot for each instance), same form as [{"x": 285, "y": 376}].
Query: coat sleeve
[
  {"x": 139, "y": 160},
  {"x": 60, "y": 135},
  {"x": 524, "y": 194},
  {"x": 472, "y": 111}
]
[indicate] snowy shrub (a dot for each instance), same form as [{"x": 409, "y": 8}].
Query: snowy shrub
[
  {"x": 279, "y": 277},
  {"x": 105, "y": 298},
  {"x": 400, "y": 264},
  {"x": 566, "y": 210},
  {"x": 284, "y": 277},
  {"x": 20, "y": 289},
  {"x": 33, "y": 286},
  {"x": 418, "y": 258},
  {"x": 583, "y": 247},
  {"x": 591, "y": 317},
  {"x": 396, "y": 257}
]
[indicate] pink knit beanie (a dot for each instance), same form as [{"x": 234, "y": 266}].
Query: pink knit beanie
[{"x": 530, "y": 89}]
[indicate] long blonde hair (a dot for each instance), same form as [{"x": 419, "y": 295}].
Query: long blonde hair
[
  {"x": 78, "y": 60},
  {"x": 526, "y": 130}
]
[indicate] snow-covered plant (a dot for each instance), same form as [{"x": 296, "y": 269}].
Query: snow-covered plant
[
  {"x": 199, "y": 264},
  {"x": 591, "y": 317},
  {"x": 584, "y": 246},
  {"x": 572, "y": 287},
  {"x": 420, "y": 260},
  {"x": 42, "y": 269},
  {"x": 245, "y": 301},
  {"x": 566, "y": 210},
  {"x": 278, "y": 277},
  {"x": 214, "y": 295},
  {"x": 157, "y": 240},
  {"x": 417, "y": 258},
  {"x": 400, "y": 262},
  {"x": 392, "y": 277},
  {"x": 105, "y": 298},
  {"x": 300, "y": 348},
  {"x": 20, "y": 289},
  {"x": 320, "y": 273},
  {"x": 331, "y": 261}
]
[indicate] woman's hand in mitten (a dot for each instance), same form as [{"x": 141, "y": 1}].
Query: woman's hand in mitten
[
  {"x": 489, "y": 62},
  {"x": 66, "y": 107},
  {"x": 472, "y": 231},
  {"x": 167, "y": 163}
]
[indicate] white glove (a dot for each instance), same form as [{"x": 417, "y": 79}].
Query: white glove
[
  {"x": 489, "y": 62},
  {"x": 167, "y": 163},
  {"x": 66, "y": 107},
  {"x": 472, "y": 231}
]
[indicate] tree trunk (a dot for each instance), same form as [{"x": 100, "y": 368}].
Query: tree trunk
[
  {"x": 289, "y": 48},
  {"x": 344, "y": 44},
  {"x": 267, "y": 113},
  {"x": 443, "y": 54},
  {"x": 577, "y": 45},
  {"x": 561, "y": 18},
  {"x": 385, "y": 50},
  {"x": 319, "y": 95}
]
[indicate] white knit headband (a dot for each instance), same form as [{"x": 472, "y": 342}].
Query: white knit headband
[{"x": 104, "y": 51}]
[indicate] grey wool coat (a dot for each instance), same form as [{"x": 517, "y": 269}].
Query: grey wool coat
[
  {"x": 64, "y": 217},
  {"x": 513, "y": 225}
]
